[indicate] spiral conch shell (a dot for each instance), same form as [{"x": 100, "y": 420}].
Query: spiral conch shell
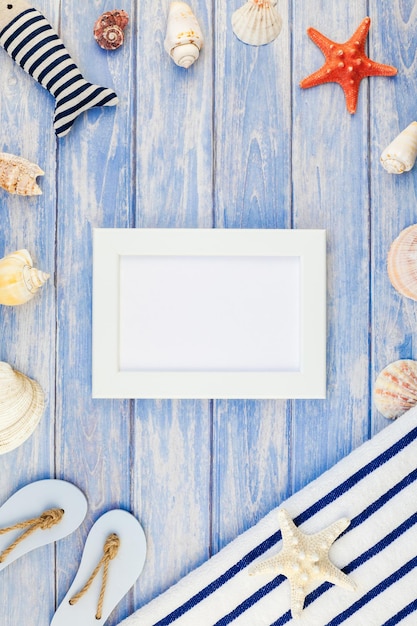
[
  {"x": 395, "y": 389},
  {"x": 108, "y": 29},
  {"x": 184, "y": 38},
  {"x": 257, "y": 22},
  {"x": 18, "y": 175},
  {"x": 402, "y": 262},
  {"x": 19, "y": 281},
  {"x": 401, "y": 154}
]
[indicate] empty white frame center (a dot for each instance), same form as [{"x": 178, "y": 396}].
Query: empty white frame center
[{"x": 209, "y": 313}]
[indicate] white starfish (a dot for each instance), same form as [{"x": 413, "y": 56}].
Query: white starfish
[{"x": 305, "y": 559}]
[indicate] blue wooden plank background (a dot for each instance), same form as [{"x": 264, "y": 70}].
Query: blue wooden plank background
[{"x": 231, "y": 143}]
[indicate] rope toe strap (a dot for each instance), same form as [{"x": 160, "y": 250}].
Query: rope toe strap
[
  {"x": 110, "y": 550},
  {"x": 45, "y": 521}
]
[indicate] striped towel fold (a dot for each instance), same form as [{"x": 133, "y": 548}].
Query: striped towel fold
[{"x": 375, "y": 487}]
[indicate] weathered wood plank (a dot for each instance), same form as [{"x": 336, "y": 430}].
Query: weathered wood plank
[
  {"x": 94, "y": 190},
  {"x": 394, "y": 206},
  {"x": 27, "y": 337},
  {"x": 253, "y": 190},
  {"x": 330, "y": 177},
  {"x": 172, "y": 445}
]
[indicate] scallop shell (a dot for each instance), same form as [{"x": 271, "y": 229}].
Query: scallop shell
[
  {"x": 184, "y": 39},
  {"x": 19, "y": 281},
  {"x": 257, "y": 22},
  {"x": 395, "y": 389},
  {"x": 401, "y": 154},
  {"x": 108, "y": 29},
  {"x": 21, "y": 407},
  {"x": 402, "y": 262},
  {"x": 18, "y": 175}
]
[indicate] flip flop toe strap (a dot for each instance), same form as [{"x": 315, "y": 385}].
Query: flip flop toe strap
[
  {"x": 110, "y": 550},
  {"x": 45, "y": 521}
]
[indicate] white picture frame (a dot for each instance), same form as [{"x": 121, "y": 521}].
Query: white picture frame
[{"x": 156, "y": 287}]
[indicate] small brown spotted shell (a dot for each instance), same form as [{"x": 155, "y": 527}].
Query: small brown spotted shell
[{"x": 108, "y": 29}]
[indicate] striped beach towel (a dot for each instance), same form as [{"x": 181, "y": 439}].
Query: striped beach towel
[
  {"x": 30, "y": 40},
  {"x": 375, "y": 487}
]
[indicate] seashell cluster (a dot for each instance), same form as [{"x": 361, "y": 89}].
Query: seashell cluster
[
  {"x": 19, "y": 281},
  {"x": 402, "y": 262},
  {"x": 184, "y": 39},
  {"x": 401, "y": 153},
  {"x": 108, "y": 29},
  {"x": 395, "y": 390},
  {"x": 18, "y": 175},
  {"x": 257, "y": 22},
  {"x": 21, "y": 407}
]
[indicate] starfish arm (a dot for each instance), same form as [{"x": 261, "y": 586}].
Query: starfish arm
[
  {"x": 297, "y": 600},
  {"x": 323, "y": 75},
  {"x": 379, "y": 69},
  {"x": 273, "y": 565},
  {"x": 331, "y": 533},
  {"x": 334, "y": 575},
  {"x": 359, "y": 36},
  {"x": 320, "y": 40}
]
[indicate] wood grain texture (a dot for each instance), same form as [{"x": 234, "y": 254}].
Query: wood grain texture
[
  {"x": 233, "y": 142},
  {"x": 174, "y": 188}
]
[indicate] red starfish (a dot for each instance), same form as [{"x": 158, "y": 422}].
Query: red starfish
[{"x": 346, "y": 63}]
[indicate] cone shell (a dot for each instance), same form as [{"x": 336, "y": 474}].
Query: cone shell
[
  {"x": 395, "y": 390},
  {"x": 401, "y": 154},
  {"x": 184, "y": 38},
  {"x": 18, "y": 175},
  {"x": 402, "y": 263},
  {"x": 257, "y": 22},
  {"x": 21, "y": 407},
  {"x": 19, "y": 281},
  {"x": 108, "y": 29}
]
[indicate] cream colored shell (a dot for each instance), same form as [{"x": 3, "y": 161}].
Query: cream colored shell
[
  {"x": 402, "y": 262},
  {"x": 184, "y": 39},
  {"x": 401, "y": 153},
  {"x": 395, "y": 390},
  {"x": 19, "y": 281},
  {"x": 18, "y": 175},
  {"x": 21, "y": 407},
  {"x": 257, "y": 22}
]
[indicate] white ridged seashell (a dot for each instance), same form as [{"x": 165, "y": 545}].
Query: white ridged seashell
[
  {"x": 18, "y": 175},
  {"x": 184, "y": 39},
  {"x": 19, "y": 281},
  {"x": 21, "y": 407},
  {"x": 402, "y": 263},
  {"x": 257, "y": 22},
  {"x": 395, "y": 390},
  {"x": 401, "y": 154}
]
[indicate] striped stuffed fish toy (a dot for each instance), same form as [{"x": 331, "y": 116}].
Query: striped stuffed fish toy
[{"x": 31, "y": 41}]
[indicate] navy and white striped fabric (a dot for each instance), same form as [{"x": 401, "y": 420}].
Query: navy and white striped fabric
[
  {"x": 376, "y": 488},
  {"x": 33, "y": 44}
]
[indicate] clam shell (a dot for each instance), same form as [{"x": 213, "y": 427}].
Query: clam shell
[
  {"x": 257, "y": 22},
  {"x": 402, "y": 262},
  {"x": 21, "y": 407},
  {"x": 109, "y": 27},
  {"x": 18, "y": 175},
  {"x": 395, "y": 390},
  {"x": 19, "y": 281},
  {"x": 184, "y": 39},
  {"x": 401, "y": 153}
]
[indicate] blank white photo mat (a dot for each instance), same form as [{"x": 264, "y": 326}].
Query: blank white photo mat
[{"x": 209, "y": 313}]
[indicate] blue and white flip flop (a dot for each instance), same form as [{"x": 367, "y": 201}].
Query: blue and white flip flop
[
  {"x": 113, "y": 558},
  {"x": 38, "y": 514}
]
